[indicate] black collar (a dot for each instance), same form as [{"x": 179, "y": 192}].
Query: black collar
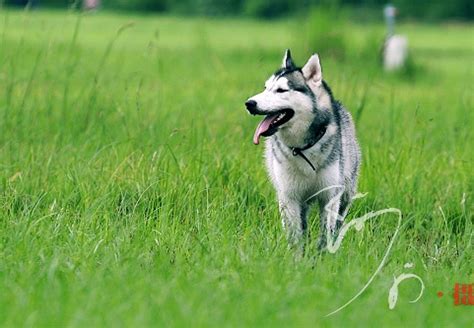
[{"x": 299, "y": 150}]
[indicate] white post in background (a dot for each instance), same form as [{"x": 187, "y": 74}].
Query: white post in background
[
  {"x": 91, "y": 4},
  {"x": 396, "y": 46},
  {"x": 390, "y": 12}
]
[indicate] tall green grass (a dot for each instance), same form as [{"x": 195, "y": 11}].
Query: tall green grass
[{"x": 131, "y": 194}]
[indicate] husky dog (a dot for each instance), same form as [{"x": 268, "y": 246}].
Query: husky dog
[{"x": 311, "y": 147}]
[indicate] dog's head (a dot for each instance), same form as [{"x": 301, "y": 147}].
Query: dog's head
[{"x": 291, "y": 98}]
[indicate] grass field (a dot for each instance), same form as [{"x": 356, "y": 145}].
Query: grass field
[{"x": 131, "y": 193}]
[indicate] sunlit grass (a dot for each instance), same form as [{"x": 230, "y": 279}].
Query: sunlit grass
[{"x": 131, "y": 194}]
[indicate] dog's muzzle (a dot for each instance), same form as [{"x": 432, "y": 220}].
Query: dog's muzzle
[{"x": 251, "y": 106}]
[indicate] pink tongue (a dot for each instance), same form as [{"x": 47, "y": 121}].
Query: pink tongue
[{"x": 263, "y": 127}]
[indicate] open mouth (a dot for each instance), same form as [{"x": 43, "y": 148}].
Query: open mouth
[{"x": 271, "y": 122}]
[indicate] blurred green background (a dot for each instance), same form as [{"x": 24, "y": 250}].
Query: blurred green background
[{"x": 424, "y": 9}]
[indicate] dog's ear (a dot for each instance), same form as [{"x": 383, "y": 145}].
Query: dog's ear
[
  {"x": 312, "y": 70},
  {"x": 287, "y": 60}
]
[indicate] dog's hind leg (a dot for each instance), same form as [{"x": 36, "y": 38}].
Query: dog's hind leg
[
  {"x": 329, "y": 205},
  {"x": 344, "y": 206}
]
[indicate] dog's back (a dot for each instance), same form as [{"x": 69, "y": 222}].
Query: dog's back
[{"x": 350, "y": 156}]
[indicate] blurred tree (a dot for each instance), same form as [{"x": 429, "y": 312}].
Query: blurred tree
[
  {"x": 140, "y": 5},
  {"x": 34, "y": 3},
  {"x": 207, "y": 7},
  {"x": 421, "y": 9},
  {"x": 268, "y": 9},
  {"x": 458, "y": 9}
]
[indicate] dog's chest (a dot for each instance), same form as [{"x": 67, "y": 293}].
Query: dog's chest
[{"x": 292, "y": 174}]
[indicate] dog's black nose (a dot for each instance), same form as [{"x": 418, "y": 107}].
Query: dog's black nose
[{"x": 251, "y": 106}]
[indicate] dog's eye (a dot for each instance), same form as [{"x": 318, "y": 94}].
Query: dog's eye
[{"x": 280, "y": 90}]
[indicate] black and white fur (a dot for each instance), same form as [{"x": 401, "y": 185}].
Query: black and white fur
[{"x": 335, "y": 156}]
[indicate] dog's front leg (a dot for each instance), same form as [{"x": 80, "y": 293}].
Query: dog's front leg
[{"x": 293, "y": 215}]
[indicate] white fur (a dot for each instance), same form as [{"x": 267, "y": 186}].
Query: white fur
[
  {"x": 295, "y": 182},
  {"x": 271, "y": 101},
  {"x": 293, "y": 178}
]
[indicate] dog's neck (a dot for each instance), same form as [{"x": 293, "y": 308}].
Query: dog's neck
[{"x": 305, "y": 131}]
